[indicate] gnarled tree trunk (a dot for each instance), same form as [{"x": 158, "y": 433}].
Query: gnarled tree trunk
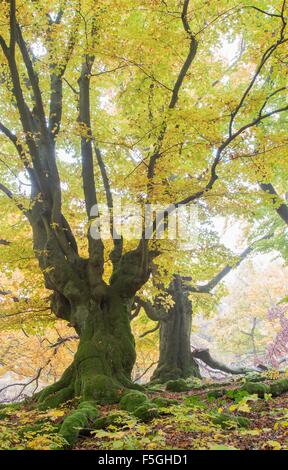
[
  {"x": 175, "y": 360},
  {"x": 103, "y": 363},
  {"x": 175, "y": 357}
]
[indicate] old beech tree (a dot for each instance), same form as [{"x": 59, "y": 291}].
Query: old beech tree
[
  {"x": 176, "y": 359},
  {"x": 48, "y": 57}
]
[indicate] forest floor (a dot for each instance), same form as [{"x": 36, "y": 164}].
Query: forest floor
[{"x": 193, "y": 423}]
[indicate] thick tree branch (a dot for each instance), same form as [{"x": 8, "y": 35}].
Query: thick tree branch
[
  {"x": 96, "y": 247},
  {"x": 56, "y": 77},
  {"x": 86, "y": 137},
  {"x": 265, "y": 57},
  {"x": 116, "y": 253},
  {"x": 206, "y": 288},
  {"x": 189, "y": 59},
  {"x": 176, "y": 89},
  {"x": 34, "y": 80},
  {"x": 151, "y": 312},
  {"x": 280, "y": 207}
]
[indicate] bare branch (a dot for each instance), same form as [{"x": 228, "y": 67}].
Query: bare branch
[
  {"x": 152, "y": 330},
  {"x": 145, "y": 371},
  {"x": 263, "y": 11},
  {"x": 5, "y": 242}
]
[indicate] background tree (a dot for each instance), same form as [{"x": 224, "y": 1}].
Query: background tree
[
  {"x": 259, "y": 286},
  {"x": 176, "y": 359}
]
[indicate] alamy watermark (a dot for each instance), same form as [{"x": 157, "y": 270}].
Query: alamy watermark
[{"x": 151, "y": 221}]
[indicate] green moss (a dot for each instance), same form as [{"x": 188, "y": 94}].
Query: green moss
[
  {"x": 101, "y": 388},
  {"x": 216, "y": 393},
  {"x": 11, "y": 406},
  {"x": 155, "y": 387},
  {"x": 253, "y": 377},
  {"x": 105, "y": 421},
  {"x": 243, "y": 422},
  {"x": 78, "y": 420},
  {"x": 225, "y": 420},
  {"x": 194, "y": 382},
  {"x": 165, "y": 374},
  {"x": 114, "y": 418},
  {"x": 132, "y": 400},
  {"x": 56, "y": 399},
  {"x": 275, "y": 389},
  {"x": 163, "y": 402},
  {"x": 90, "y": 409},
  {"x": 279, "y": 387},
  {"x": 259, "y": 389},
  {"x": 236, "y": 395},
  {"x": 179, "y": 385},
  {"x": 146, "y": 412}
]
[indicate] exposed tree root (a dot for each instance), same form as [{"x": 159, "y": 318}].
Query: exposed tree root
[
  {"x": 204, "y": 356},
  {"x": 98, "y": 388},
  {"x": 276, "y": 388},
  {"x": 78, "y": 420}
]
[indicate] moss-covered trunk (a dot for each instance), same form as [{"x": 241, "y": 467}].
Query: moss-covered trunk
[
  {"x": 175, "y": 360},
  {"x": 102, "y": 365}
]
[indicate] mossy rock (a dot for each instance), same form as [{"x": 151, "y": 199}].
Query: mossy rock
[
  {"x": 155, "y": 387},
  {"x": 225, "y": 420},
  {"x": 146, "y": 412},
  {"x": 163, "y": 402},
  {"x": 179, "y": 385},
  {"x": 104, "y": 421},
  {"x": 132, "y": 400},
  {"x": 90, "y": 408},
  {"x": 216, "y": 393},
  {"x": 259, "y": 389},
  {"x": 253, "y": 377},
  {"x": 279, "y": 387},
  {"x": 194, "y": 382},
  {"x": 78, "y": 420}
]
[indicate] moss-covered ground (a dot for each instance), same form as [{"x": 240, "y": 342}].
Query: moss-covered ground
[{"x": 207, "y": 416}]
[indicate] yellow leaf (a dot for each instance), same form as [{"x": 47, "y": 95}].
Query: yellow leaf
[{"x": 275, "y": 445}]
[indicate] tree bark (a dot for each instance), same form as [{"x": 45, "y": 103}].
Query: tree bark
[
  {"x": 103, "y": 363},
  {"x": 175, "y": 360}
]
